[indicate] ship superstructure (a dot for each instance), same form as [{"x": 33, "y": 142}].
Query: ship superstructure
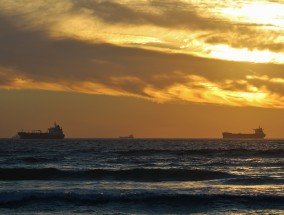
[
  {"x": 54, "y": 132},
  {"x": 258, "y": 134}
]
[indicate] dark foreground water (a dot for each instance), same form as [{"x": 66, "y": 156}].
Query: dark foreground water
[{"x": 141, "y": 176}]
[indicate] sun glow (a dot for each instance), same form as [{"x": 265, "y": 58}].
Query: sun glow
[
  {"x": 244, "y": 54},
  {"x": 260, "y": 13},
  {"x": 201, "y": 90}
]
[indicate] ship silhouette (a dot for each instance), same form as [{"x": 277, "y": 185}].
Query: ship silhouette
[
  {"x": 54, "y": 132},
  {"x": 258, "y": 134},
  {"x": 127, "y": 137}
]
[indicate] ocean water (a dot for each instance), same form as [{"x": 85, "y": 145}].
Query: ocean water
[{"x": 141, "y": 176}]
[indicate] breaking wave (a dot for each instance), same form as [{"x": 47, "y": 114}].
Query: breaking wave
[
  {"x": 39, "y": 159},
  {"x": 254, "y": 181},
  {"x": 150, "y": 175},
  {"x": 223, "y": 152},
  {"x": 23, "y": 198}
]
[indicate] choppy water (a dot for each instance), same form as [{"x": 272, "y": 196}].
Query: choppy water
[{"x": 141, "y": 176}]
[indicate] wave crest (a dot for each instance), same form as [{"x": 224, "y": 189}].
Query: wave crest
[
  {"x": 18, "y": 198},
  {"x": 150, "y": 175}
]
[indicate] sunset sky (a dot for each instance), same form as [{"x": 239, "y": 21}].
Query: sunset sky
[{"x": 151, "y": 68}]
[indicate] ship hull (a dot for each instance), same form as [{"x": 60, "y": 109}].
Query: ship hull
[
  {"x": 26, "y": 135},
  {"x": 126, "y": 137},
  {"x": 227, "y": 135}
]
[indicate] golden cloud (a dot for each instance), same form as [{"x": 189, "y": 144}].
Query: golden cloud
[
  {"x": 230, "y": 30},
  {"x": 11, "y": 80},
  {"x": 106, "y": 47},
  {"x": 199, "y": 89},
  {"x": 194, "y": 88}
]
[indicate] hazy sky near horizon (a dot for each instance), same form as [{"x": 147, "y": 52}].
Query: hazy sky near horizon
[{"x": 175, "y": 68}]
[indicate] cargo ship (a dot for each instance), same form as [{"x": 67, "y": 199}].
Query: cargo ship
[
  {"x": 54, "y": 132},
  {"x": 258, "y": 134}
]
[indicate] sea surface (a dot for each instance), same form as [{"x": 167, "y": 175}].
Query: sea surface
[{"x": 141, "y": 176}]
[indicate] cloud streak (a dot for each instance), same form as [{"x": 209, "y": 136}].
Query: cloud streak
[{"x": 193, "y": 88}]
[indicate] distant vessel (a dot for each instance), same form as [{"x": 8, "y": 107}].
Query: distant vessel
[
  {"x": 258, "y": 134},
  {"x": 54, "y": 132},
  {"x": 127, "y": 137}
]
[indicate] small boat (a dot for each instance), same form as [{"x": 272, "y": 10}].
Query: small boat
[{"x": 127, "y": 137}]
